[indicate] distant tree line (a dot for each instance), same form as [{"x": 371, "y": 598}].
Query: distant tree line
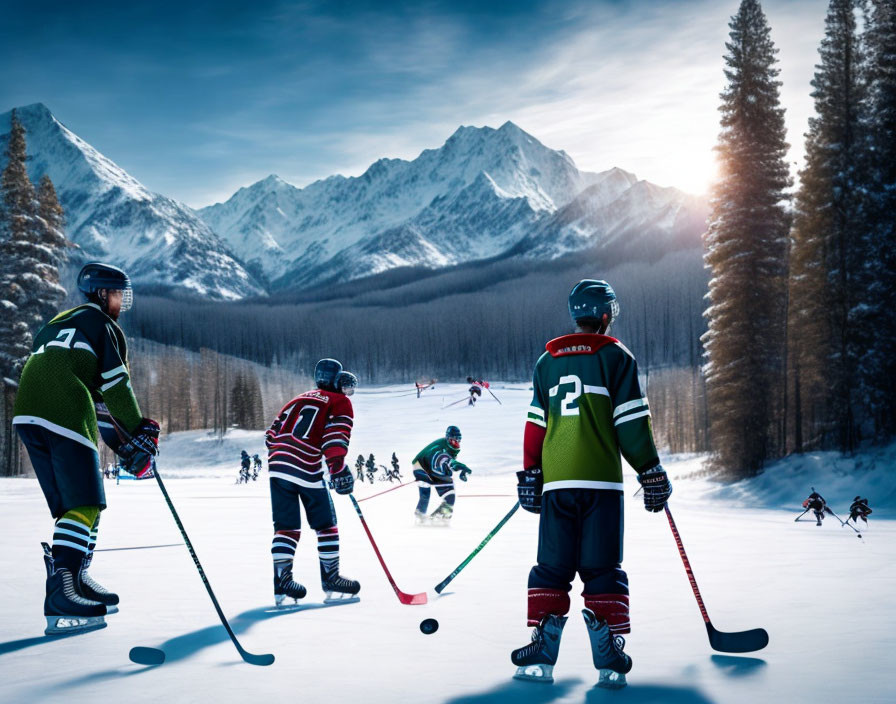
[
  {"x": 802, "y": 317},
  {"x": 32, "y": 246}
]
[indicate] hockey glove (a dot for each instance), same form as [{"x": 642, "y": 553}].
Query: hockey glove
[
  {"x": 657, "y": 488},
  {"x": 145, "y": 440},
  {"x": 528, "y": 488},
  {"x": 461, "y": 468},
  {"x": 341, "y": 477},
  {"x": 140, "y": 465}
]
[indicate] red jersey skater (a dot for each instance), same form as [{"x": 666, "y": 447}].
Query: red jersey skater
[{"x": 313, "y": 427}]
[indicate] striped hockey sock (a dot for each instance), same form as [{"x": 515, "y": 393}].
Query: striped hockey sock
[
  {"x": 71, "y": 543},
  {"x": 283, "y": 546},
  {"x": 328, "y": 551}
]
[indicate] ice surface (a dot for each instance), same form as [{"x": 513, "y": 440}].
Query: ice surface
[{"x": 825, "y": 597}]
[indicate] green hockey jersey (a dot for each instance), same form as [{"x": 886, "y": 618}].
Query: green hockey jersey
[
  {"x": 80, "y": 357},
  {"x": 587, "y": 409},
  {"x": 436, "y": 458}
]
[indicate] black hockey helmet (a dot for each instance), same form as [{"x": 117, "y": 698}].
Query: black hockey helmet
[
  {"x": 325, "y": 373},
  {"x": 95, "y": 276},
  {"x": 244, "y": 453},
  {"x": 346, "y": 383},
  {"x": 453, "y": 436},
  {"x": 590, "y": 300}
]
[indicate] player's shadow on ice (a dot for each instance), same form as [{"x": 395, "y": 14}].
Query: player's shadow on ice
[
  {"x": 520, "y": 693},
  {"x": 13, "y": 645},
  {"x": 534, "y": 693}
]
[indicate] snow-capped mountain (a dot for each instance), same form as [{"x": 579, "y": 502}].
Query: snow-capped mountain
[
  {"x": 485, "y": 193},
  {"x": 111, "y": 216}
]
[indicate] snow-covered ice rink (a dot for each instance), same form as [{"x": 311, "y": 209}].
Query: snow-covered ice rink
[{"x": 825, "y": 597}]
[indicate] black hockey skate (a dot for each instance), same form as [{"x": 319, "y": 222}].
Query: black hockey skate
[
  {"x": 535, "y": 662},
  {"x": 285, "y": 586},
  {"x": 339, "y": 589},
  {"x": 65, "y": 610},
  {"x": 85, "y": 585},
  {"x": 606, "y": 652}
]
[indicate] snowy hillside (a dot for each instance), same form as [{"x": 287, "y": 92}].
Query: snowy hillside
[
  {"x": 824, "y": 596},
  {"x": 112, "y": 217},
  {"x": 485, "y": 193}
]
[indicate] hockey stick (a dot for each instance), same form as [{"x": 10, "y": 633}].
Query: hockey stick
[
  {"x": 495, "y": 397},
  {"x": 465, "y": 398},
  {"x": 154, "y": 656},
  {"x": 739, "y": 642},
  {"x": 801, "y": 515},
  {"x": 444, "y": 583},
  {"x": 403, "y": 597},
  {"x": 373, "y": 496}
]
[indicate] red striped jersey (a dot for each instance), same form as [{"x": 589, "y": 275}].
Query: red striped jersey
[{"x": 311, "y": 427}]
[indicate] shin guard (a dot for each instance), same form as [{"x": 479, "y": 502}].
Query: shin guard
[
  {"x": 612, "y": 608},
  {"x": 543, "y": 602}
]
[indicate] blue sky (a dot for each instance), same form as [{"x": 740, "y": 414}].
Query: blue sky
[{"x": 196, "y": 99}]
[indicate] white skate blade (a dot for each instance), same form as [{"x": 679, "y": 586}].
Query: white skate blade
[
  {"x": 610, "y": 679},
  {"x": 111, "y": 609},
  {"x": 62, "y": 625},
  {"x": 340, "y": 598},
  {"x": 535, "y": 673}
]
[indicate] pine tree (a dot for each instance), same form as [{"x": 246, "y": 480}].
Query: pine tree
[
  {"x": 16, "y": 250},
  {"x": 32, "y": 246},
  {"x": 829, "y": 316},
  {"x": 881, "y": 360},
  {"x": 746, "y": 248}
]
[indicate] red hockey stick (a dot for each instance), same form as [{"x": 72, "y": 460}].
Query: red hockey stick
[
  {"x": 403, "y": 597},
  {"x": 387, "y": 490},
  {"x": 740, "y": 642}
]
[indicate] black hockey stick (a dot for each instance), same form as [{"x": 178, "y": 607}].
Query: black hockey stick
[
  {"x": 444, "y": 583},
  {"x": 801, "y": 515},
  {"x": 495, "y": 397},
  {"x": 739, "y": 642},
  {"x": 154, "y": 656}
]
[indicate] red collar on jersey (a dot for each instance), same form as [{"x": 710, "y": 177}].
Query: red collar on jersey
[{"x": 578, "y": 343}]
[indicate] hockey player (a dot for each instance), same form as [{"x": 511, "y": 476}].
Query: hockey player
[
  {"x": 245, "y": 463},
  {"x": 433, "y": 467},
  {"x": 586, "y": 409},
  {"x": 75, "y": 386},
  {"x": 256, "y": 467},
  {"x": 815, "y": 502},
  {"x": 359, "y": 468},
  {"x": 859, "y": 509},
  {"x": 371, "y": 468},
  {"x": 395, "y": 467},
  {"x": 314, "y": 426}
]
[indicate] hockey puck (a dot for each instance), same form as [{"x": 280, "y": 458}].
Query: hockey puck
[{"x": 429, "y": 626}]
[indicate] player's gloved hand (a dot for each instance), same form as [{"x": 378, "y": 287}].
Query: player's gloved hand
[
  {"x": 657, "y": 488},
  {"x": 139, "y": 464},
  {"x": 145, "y": 440},
  {"x": 340, "y": 476},
  {"x": 463, "y": 474},
  {"x": 528, "y": 488}
]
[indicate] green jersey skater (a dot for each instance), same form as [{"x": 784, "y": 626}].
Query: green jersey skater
[
  {"x": 75, "y": 386},
  {"x": 587, "y": 413},
  {"x": 434, "y": 466}
]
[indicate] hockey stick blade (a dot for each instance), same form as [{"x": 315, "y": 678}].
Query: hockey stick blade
[
  {"x": 740, "y": 642},
  {"x": 262, "y": 660},
  {"x": 147, "y": 656},
  {"x": 411, "y": 599}
]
